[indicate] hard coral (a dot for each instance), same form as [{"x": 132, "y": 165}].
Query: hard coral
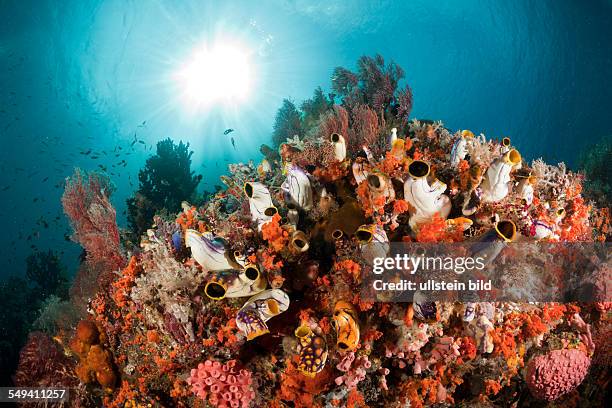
[
  {"x": 223, "y": 385},
  {"x": 552, "y": 375}
]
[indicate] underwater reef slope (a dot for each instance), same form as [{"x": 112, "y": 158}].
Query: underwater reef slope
[{"x": 254, "y": 299}]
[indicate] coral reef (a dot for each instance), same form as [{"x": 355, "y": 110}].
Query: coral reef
[{"x": 259, "y": 297}]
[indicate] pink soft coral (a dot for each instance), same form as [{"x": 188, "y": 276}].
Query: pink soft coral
[
  {"x": 552, "y": 375},
  {"x": 223, "y": 384}
]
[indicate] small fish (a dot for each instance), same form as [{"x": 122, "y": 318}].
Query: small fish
[
  {"x": 141, "y": 141},
  {"x": 233, "y": 143},
  {"x": 228, "y": 131}
]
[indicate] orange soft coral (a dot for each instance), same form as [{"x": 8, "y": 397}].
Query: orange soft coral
[
  {"x": 331, "y": 172},
  {"x": 277, "y": 237},
  {"x": 121, "y": 287},
  {"x": 394, "y": 165},
  {"x": 400, "y": 206},
  {"x": 575, "y": 226},
  {"x": 301, "y": 389},
  {"x": 437, "y": 230},
  {"x": 364, "y": 198},
  {"x": 351, "y": 267},
  {"x": 188, "y": 218}
]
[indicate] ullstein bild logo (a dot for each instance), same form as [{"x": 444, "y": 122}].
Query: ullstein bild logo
[{"x": 431, "y": 284}]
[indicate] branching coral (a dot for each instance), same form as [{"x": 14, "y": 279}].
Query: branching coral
[
  {"x": 287, "y": 123},
  {"x": 56, "y": 316}
]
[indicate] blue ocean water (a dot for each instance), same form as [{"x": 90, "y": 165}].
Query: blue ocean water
[{"x": 78, "y": 75}]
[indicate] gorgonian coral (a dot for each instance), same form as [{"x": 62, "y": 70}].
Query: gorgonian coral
[{"x": 86, "y": 202}]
